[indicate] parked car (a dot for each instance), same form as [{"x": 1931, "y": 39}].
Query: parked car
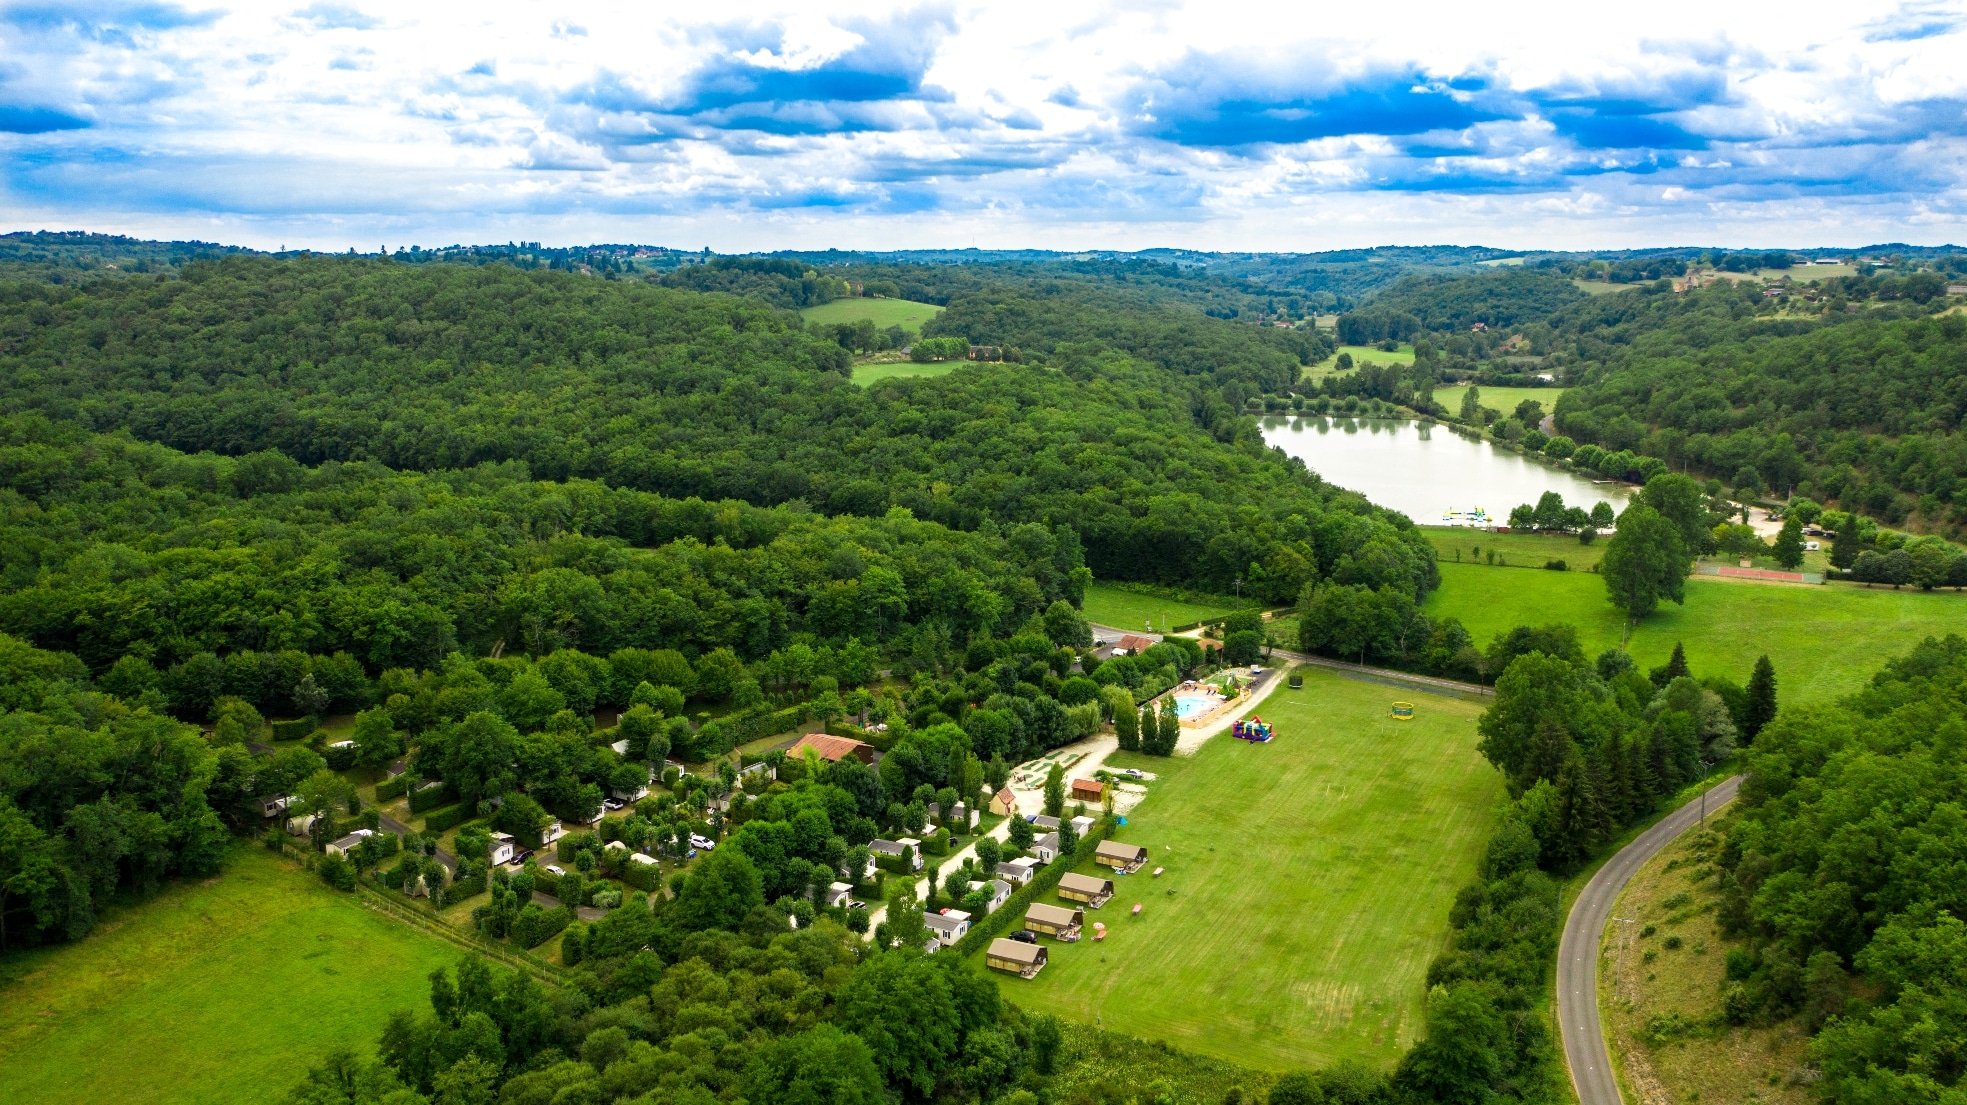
[
  {"x": 612, "y": 803},
  {"x": 520, "y": 859},
  {"x": 700, "y": 842},
  {"x": 1133, "y": 773},
  {"x": 554, "y": 870},
  {"x": 1025, "y": 936},
  {"x": 852, "y": 904}
]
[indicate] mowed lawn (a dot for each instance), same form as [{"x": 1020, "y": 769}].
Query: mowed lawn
[
  {"x": 1824, "y": 641},
  {"x": 1107, "y": 604},
  {"x": 221, "y": 991},
  {"x": 1308, "y": 884},
  {"x": 905, "y": 313}
]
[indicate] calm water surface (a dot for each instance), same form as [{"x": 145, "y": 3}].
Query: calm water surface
[{"x": 1422, "y": 471}]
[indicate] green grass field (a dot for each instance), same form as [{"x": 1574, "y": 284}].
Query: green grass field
[
  {"x": 221, "y": 991},
  {"x": 1107, "y": 604},
  {"x": 1519, "y": 549},
  {"x": 1403, "y": 355},
  {"x": 1308, "y": 884},
  {"x": 1824, "y": 641},
  {"x": 1600, "y": 287},
  {"x": 865, "y": 374},
  {"x": 1499, "y": 399},
  {"x": 905, "y": 313}
]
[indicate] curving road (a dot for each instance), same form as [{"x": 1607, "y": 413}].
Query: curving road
[{"x": 1577, "y": 955}]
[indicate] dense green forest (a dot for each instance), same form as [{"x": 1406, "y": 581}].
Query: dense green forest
[
  {"x": 1843, "y": 871},
  {"x": 435, "y": 367}
]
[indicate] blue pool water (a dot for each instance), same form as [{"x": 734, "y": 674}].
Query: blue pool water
[{"x": 1189, "y": 705}]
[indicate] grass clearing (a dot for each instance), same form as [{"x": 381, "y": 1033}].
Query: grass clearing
[
  {"x": 1661, "y": 1003},
  {"x": 905, "y": 313},
  {"x": 219, "y": 991},
  {"x": 1108, "y": 604},
  {"x": 1522, "y": 550},
  {"x": 1363, "y": 353},
  {"x": 1308, "y": 884},
  {"x": 1600, "y": 287},
  {"x": 865, "y": 374},
  {"x": 1825, "y": 641},
  {"x": 1498, "y": 399}
]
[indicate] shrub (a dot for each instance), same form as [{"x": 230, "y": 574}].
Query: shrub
[
  {"x": 450, "y": 817},
  {"x": 1556, "y": 566},
  {"x": 296, "y": 729},
  {"x": 429, "y": 799},
  {"x": 535, "y": 926},
  {"x": 461, "y": 889},
  {"x": 641, "y": 876},
  {"x": 389, "y": 790},
  {"x": 336, "y": 872}
]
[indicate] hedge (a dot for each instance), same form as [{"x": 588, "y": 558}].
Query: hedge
[
  {"x": 296, "y": 729},
  {"x": 464, "y": 888},
  {"x": 535, "y": 926},
  {"x": 389, "y": 790},
  {"x": 994, "y": 923},
  {"x": 450, "y": 817},
  {"x": 641, "y": 876},
  {"x": 430, "y": 798}
]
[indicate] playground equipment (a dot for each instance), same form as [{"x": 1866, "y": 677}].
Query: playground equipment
[
  {"x": 1253, "y": 729},
  {"x": 1403, "y": 711},
  {"x": 1297, "y": 681}
]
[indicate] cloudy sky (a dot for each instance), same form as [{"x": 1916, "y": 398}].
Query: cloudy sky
[{"x": 1055, "y": 124}]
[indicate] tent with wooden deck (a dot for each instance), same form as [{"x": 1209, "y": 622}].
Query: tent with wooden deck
[
  {"x": 1023, "y": 960},
  {"x": 1054, "y": 921},
  {"x": 1089, "y": 890},
  {"x": 1125, "y": 858}
]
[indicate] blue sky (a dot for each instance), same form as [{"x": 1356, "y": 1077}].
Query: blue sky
[{"x": 1059, "y": 124}]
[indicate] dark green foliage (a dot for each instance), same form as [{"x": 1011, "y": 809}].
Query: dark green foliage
[
  {"x": 1841, "y": 858},
  {"x": 1646, "y": 562},
  {"x": 1761, "y": 699},
  {"x": 450, "y": 817}
]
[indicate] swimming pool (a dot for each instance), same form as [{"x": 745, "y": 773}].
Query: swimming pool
[{"x": 1192, "y": 705}]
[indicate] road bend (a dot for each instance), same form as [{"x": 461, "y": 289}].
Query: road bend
[{"x": 1578, "y": 953}]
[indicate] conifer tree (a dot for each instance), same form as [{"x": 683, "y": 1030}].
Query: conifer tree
[
  {"x": 1761, "y": 699},
  {"x": 1676, "y": 666},
  {"x": 1127, "y": 726}
]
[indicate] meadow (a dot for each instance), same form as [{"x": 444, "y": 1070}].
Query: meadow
[
  {"x": 873, "y": 371},
  {"x": 1107, "y": 604},
  {"x": 1308, "y": 884},
  {"x": 1519, "y": 549},
  {"x": 905, "y": 313},
  {"x": 1498, "y": 399},
  {"x": 220, "y": 991},
  {"x": 1824, "y": 641},
  {"x": 1360, "y": 354}
]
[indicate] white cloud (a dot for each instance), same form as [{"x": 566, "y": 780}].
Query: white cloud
[{"x": 1065, "y": 124}]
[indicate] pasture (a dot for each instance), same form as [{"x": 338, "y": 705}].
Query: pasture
[
  {"x": 1363, "y": 353},
  {"x": 876, "y": 371},
  {"x": 1498, "y": 399},
  {"x": 1521, "y": 550},
  {"x": 1308, "y": 884},
  {"x": 1825, "y": 641},
  {"x": 905, "y": 313},
  {"x": 220, "y": 991},
  {"x": 1107, "y": 604}
]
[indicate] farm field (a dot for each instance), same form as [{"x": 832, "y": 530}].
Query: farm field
[
  {"x": 1308, "y": 884},
  {"x": 221, "y": 992},
  {"x": 1107, "y": 604},
  {"x": 1825, "y": 641},
  {"x": 1600, "y": 287},
  {"x": 1499, "y": 399},
  {"x": 865, "y": 374},
  {"x": 905, "y": 313}
]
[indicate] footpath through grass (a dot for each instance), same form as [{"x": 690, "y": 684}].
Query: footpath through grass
[
  {"x": 221, "y": 991},
  {"x": 905, "y": 313},
  {"x": 1308, "y": 884},
  {"x": 1825, "y": 641},
  {"x": 1107, "y": 604}
]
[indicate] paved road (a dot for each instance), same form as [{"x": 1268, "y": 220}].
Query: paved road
[{"x": 1577, "y": 955}]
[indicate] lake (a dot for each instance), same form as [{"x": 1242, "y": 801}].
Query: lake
[{"x": 1423, "y": 470}]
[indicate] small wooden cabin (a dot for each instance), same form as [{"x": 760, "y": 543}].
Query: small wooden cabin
[
  {"x": 1125, "y": 858},
  {"x": 1054, "y": 921}
]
